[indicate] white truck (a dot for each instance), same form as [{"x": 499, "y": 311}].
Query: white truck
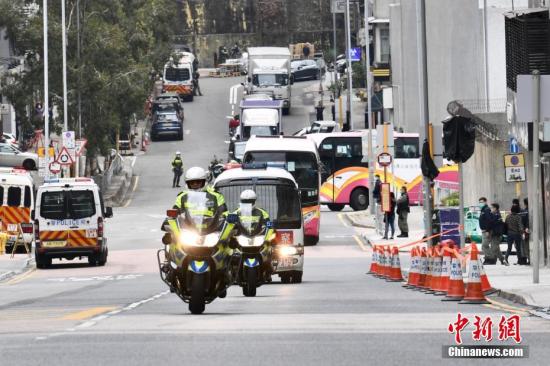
[
  {"x": 178, "y": 75},
  {"x": 269, "y": 72}
]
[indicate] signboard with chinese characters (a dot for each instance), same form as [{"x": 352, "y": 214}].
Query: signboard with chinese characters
[
  {"x": 385, "y": 197},
  {"x": 514, "y": 165}
]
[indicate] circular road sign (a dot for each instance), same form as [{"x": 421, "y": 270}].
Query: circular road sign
[{"x": 384, "y": 159}]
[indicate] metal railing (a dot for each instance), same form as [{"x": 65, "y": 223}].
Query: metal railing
[{"x": 114, "y": 169}]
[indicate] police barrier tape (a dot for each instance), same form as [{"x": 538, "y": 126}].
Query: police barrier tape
[{"x": 437, "y": 270}]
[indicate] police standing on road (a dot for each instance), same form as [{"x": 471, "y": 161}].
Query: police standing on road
[{"x": 177, "y": 168}]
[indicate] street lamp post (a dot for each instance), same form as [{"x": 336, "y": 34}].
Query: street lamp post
[
  {"x": 64, "y": 46},
  {"x": 349, "y": 118},
  {"x": 46, "y": 89},
  {"x": 369, "y": 112}
]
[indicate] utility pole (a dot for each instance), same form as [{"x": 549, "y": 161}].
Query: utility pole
[
  {"x": 486, "y": 47},
  {"x": 424, "y": 111},
  {"x": 64, "y": 46},
  {"x": 46, "y": 91},
  {"x": 535, "y": 181},
  {"x": 369, "y": 112},
  {"x": 79, "y": 95},
  {"x": 349, "y": 120}
]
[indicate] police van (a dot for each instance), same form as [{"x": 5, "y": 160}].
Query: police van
[{"x": 69, "y": 221}]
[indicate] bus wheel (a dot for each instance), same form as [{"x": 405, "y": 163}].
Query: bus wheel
[
  {"x": 335, "y": 207},
  {"x": 359, "y": 199},
  {"x": 311, "y": 240}
]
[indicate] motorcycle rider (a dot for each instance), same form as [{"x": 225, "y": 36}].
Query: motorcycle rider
[{"x": 177, "y": 168}]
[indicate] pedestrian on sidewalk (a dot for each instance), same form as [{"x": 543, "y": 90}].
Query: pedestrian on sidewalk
[
  {"x": 389, "y": 218},
  {"x": 514, "y": 232},
  {"x": 196, "y": 85},
  {"x": 497, "y": 230},
  {"x": 403, "y": 211},
  {"x": 485, "y": 219},
  {"x": 319, "y": 109},
  {"x": 177, "y": 168},
  {"x": 524, "y": 213},
  {"x": 377, "y": 188},
  {"x": 333, "y": 109}
]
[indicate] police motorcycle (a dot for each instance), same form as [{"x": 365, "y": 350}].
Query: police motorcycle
[
  {"x": 253, "y": 253},
  {"x": 195, "y": 261},
  {"x": 215, "y": 168}
]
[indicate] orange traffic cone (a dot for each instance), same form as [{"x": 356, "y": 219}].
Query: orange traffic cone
[
  {"x": 485, "y": 285},
  {"x": 387, "y": 261},
  {"x": 373, "y": 263},
  {"x": 429, "y": 268},
  {"x": 474, "y": 294},
  {"x": 395, "y": 272},
  {"x": 445, "y": 270},
  {"x": 436, "y": 272},
  {"x": 423, "y": 269},
  {"x": 455, "y": 292},
  {"x": 412, "y": 281}
]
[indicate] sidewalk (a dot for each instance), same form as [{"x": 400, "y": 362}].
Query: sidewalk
[
  {"x": 514, "y": 282},
  {"x": 10, "y": 267}
]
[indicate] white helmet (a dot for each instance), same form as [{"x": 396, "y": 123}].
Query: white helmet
[
  {"x": 195, "y": 174},
  {"x": 248, "y": 196},
  {"x": 178, "y": 153}
]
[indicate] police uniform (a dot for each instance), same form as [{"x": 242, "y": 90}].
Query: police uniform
[
  {"x": 177, "y": 168},
  {"x": 217, "y": 205}
]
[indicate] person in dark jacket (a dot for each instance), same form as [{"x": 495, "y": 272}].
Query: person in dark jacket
[
  {"x": 403, "y": 210},
  {"x": 514, "y": 233},
  {"x": 389, "y": 217},
  {"x": 485, "y": 219},
  {"x": 177, "y": 168},
  {"x": 524, "y": 213},
  {"x": 496, "y": 230},
  {"x": 377, "y": 187}
]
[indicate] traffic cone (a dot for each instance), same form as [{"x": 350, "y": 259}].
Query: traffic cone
[
  {"x": 436, "y": 272},
  {"x": 485, "y": 285},
  {"x": 455, "y": 292},
  {"x": 445, "y": 270},
  {"x": 395, "y": 272},
  {"x": 423, "y": 269},
  {"x": 373, "y": 263},
  {"x": 387, "y": 262},
  {"x": 412, "y": 281},
  {"x": 429, "y": 268},
  {"x": 474, "y": 294}
]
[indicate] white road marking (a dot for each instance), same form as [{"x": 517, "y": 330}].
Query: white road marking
[
  {"x": 97, "y": 278},
  {"x": 187, "y": 132},
  {"x": 134, "y": 159}
]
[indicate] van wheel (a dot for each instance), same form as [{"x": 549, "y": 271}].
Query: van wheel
[
  {"x": 335, "y": 207},
  {"x": 359, "y": 199},
  {"x": 103, "y": 258},
  {"x": 297, "y": 277},
  {"x": 29, "y": 164},
  {"x": 42, "y": 261},
  {"x": 311, "y": 240},
  {"x": 285, "y": 278}
]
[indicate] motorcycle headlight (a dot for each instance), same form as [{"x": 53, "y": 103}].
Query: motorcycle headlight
[
  {"x": 211, "y": 240},
  {"x": 287, "y": 251},
  {"x": 243, "y": 240},
  {"x": 189, "y": 238},
  {"x": 259, "y": 240}
]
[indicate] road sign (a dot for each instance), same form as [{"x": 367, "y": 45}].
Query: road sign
[
  {"x": 355, "y": 54},
  {"x": 64, "y": 157},
  {"x": 514, "y": 166},
  {"x": 514, "y": 146},
  {"x": 69, "y": 139},
  {"x": 384, "y": 159},
  {"x": 80, "y": 144},
  {"x": 338, "y": 6},
  {"x": 55, "y": 167}
]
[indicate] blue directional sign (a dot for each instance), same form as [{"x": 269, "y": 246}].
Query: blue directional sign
[
  {"x": 514, "y": 146},
  {"x": 355, "y": 54}
]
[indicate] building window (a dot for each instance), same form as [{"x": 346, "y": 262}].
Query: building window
[{"x": 384, "y": 43}]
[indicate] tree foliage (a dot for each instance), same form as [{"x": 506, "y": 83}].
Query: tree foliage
[{"x": 121, "y": 42}]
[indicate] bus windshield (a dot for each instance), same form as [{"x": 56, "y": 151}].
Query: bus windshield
[{"x": 301, "y": 164}]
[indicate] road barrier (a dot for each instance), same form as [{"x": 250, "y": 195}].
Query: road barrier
[{"x": 436, "y": 270}]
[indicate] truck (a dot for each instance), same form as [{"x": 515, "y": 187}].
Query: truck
[
  {"x": 177, "y": 76},
  {"x": 260, "y": 117},
  {"x": 269, "y": 72}
]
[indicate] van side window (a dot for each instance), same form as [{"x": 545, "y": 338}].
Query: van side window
[
  {"x": 82, "y": 204},
  {"x": 28, "y": 202},
  {"x": 14, "y": 196}
]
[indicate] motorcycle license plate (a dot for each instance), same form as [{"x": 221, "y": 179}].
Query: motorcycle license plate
[
  {"x": 54, "y": 244},
  {"x": 285, "y": 262}
]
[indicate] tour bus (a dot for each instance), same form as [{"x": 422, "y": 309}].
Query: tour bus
[
  {"x": 345, "y": 172},
  {"x": 299, "y": 157},
  {"x": 278, "y": 194}
]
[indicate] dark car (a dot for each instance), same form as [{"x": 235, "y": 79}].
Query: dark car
[
  {"x": 166, "y": 124},
  {"x": 305, "y": 69}
]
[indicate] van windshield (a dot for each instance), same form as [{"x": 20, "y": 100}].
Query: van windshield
[{"x": 62, "y": 205}]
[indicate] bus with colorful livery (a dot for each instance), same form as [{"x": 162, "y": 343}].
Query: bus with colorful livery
[
  {"x": 345, "y": 172},
  {"x": 299, "y": 157}
]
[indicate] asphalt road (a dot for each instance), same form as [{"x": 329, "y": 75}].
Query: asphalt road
[{"x": 121, "y": 314}]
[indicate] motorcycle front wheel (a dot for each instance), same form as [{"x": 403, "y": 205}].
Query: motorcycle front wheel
[
  {"x": 249, "y": 288},
  {"x": 196, "y": 304}
]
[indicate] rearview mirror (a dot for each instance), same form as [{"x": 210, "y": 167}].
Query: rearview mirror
[
  {"x": 232, "y": 218},
  {"x": 108, "y": 212}
]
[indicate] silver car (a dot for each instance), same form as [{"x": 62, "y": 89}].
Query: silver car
[{"x": 10, "y": 156}]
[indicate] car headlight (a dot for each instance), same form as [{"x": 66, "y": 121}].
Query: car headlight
[
  {"x": 288, "y": 251},
  {"x": 189, "y": 238},
  {"x": 211, "y": 240}
]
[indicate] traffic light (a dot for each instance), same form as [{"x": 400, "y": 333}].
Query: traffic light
[{"x": 459, "y": 137}]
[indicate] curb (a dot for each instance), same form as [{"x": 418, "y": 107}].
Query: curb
[
  {"x": 29, "y": 263},
  {"x": 355, "y": 223}
]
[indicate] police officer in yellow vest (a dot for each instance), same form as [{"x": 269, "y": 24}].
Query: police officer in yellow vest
[
  {"x": 255, "y": 219},
  {"x": 177, "y": 168}
]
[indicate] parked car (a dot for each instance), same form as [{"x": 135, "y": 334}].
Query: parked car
[
  {"x": 305, "y": 69},
  {"x": 170, "y": 97},
  {"x": 9, "y": 138},
  {"x": 318, "y": 127},
  {"x": 11, "y": 156},
  {"x": 166, "y": 124},
  {"x": 167, "y": 105}
]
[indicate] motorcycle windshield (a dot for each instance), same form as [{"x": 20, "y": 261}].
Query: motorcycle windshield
[
  {"x": 199, "y": 211},
  {"x": 250, "y": 224}
]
